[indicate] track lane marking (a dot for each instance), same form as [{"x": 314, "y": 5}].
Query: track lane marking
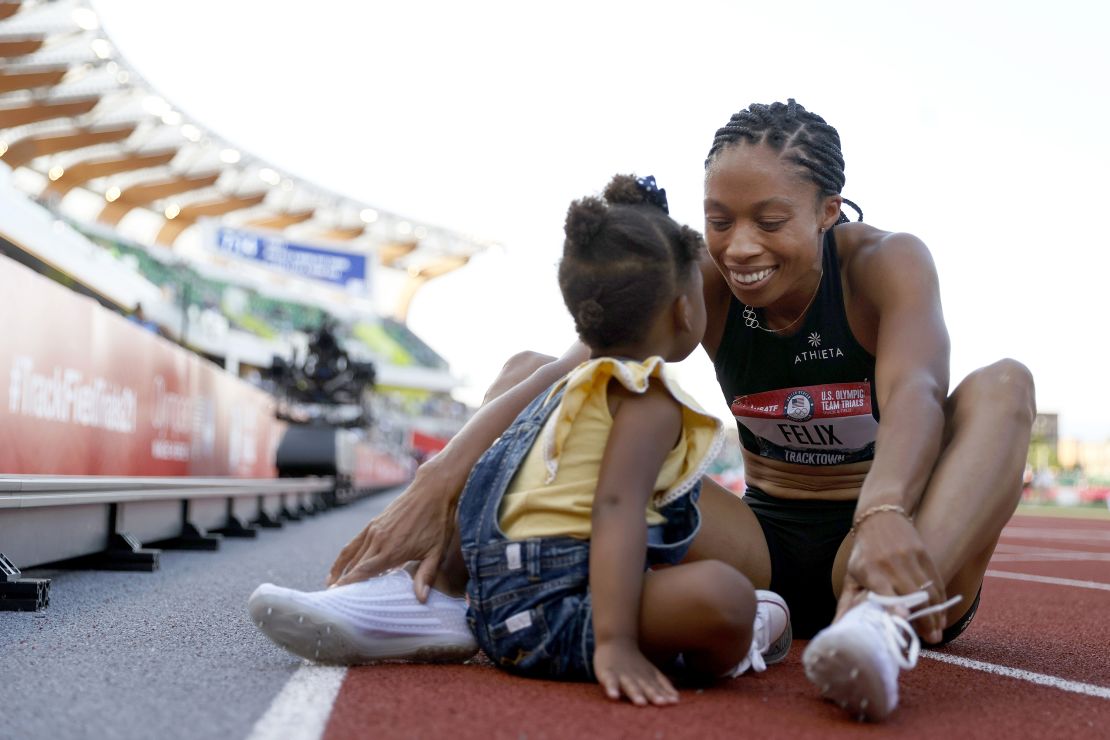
[
  {"x": 1049, "y": 579},
  {"x": 301, "y": 709},
  {"x": 1075, "y": 687},
  {"x": 1010, "y": 553},
  {"x": 1011, "y": 547},
  {"x": 1045, "y": 556},
  {"x": 1101, "y": 535}
]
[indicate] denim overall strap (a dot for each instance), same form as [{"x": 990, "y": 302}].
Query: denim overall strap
[{"x": 480, "y": 501}]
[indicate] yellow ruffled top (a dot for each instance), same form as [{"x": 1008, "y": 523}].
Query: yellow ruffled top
[{"x": 552, "y": 493}]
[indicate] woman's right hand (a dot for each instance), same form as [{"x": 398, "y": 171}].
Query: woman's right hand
[
  {"x": 889, "y": 558},
  {"x": 416, "y": 526}
]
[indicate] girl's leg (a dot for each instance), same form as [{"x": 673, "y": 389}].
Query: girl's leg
[
  {"x": 976, "y": 484},
  {"x": 703, "y": 611},
  {"x": 731, "y": 534}
]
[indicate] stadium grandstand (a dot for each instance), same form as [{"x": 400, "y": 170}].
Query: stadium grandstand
[{"x": 166, "y": 298}]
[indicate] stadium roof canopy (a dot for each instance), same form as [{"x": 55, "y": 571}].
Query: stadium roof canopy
[{"x": 85, "y": 135}]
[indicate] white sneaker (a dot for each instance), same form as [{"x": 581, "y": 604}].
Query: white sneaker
[
  {"x": 771, "y": 633},
  {"x": 378, "y": 619},
  {"x": 856, "y": 660}
]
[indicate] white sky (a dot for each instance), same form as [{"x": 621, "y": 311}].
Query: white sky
[{"x": 981, "y": 127}]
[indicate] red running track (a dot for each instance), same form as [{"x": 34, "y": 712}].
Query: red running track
[{"x": 1055, "y": 629}]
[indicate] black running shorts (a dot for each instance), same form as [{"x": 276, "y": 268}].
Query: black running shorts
[{"x": 803, "y": 537}]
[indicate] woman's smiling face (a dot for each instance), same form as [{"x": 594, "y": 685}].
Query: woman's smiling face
[{"x": 763, "y": 223}]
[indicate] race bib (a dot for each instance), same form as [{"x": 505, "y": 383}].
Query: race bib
[{"x": 814, "y": 425}]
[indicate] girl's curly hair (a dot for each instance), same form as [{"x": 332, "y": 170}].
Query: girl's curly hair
[{"x": 623, "y": 259}]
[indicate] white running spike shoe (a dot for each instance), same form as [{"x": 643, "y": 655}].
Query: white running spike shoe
[
  {"x": 378, "y": 619},
  {"x": 855, "y": 661},
  {"x": 771, "y": 633}
]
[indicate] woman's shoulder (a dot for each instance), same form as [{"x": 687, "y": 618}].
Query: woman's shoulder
[
  {"x": 884, "y": 273},
  {"x": 868, "y": 255}
]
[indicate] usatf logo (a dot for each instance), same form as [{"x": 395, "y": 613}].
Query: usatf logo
[
  {"x": 814, "y": 339},
  {"x": 799, "y": 406}
]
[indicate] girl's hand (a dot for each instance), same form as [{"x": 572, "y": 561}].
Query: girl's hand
[
  {"x": 417, "y": 525},
  {"x": 889, "y": 558},
  {"x": 621, "y": 668}
]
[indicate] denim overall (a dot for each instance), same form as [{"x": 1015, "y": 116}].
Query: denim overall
[{"x": 530, "y": 606}]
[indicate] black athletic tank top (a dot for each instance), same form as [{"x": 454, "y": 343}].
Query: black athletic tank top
[{"x": 808, "y": 398}]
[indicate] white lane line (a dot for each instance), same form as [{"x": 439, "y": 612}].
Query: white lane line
[
  {"x": 1010, "y": 553},
  {"x": 1049, "y": 579},
  {"x": 1043, "y": 556},
  {"x": 301, "y": 710},
  {"x": 1075, "y": 687},
  {"x": 1094, "y": 536}
]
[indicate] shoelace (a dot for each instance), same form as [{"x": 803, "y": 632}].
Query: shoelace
[
  {"x": 899, "y": 635},
  {"x": 755, "y": 654}
]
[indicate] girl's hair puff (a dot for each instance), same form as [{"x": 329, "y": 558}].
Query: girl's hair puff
[{"x": 623, "y": 259}]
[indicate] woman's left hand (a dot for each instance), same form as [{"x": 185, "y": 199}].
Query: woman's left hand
[{"x": 889, "y": 558}]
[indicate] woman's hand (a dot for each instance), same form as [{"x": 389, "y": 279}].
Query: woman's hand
[
  {"x": 889, "y": 558},
  {"x": 622, "y": 669},
  {"x": 417, "y": 525}
]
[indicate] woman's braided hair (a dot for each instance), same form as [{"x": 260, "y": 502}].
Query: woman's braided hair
[
  {"x": 623, "y": 259},
  {"x": 798, "y": 135}
]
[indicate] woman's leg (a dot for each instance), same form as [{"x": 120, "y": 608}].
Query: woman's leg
[
  {"x": 976, "y": 484},
  {"x": 977, "y": 480},
  {"x": 731, "y": 534}
]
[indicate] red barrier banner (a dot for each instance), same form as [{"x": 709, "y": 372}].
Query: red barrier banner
[
  {"x": 84, "y": 391},
  {"x": 426, "y": 443}
]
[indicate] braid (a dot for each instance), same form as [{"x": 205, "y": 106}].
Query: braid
[{"x": 798, "y": 135}]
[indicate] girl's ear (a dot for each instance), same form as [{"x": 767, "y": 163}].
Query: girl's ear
[{"x": 682, "y": 314}]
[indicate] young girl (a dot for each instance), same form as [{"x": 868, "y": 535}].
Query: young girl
[
  {"x": 561, "y": 518},
  {"x": 598, "y": 478}
]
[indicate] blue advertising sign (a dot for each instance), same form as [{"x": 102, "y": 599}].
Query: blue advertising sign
[{"x": 315, "y": 263}]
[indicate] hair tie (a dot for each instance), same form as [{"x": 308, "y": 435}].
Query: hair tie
[{"x": 653, "y": 194}]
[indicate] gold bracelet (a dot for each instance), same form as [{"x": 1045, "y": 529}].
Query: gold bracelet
[{"x": 860, "y": 518}]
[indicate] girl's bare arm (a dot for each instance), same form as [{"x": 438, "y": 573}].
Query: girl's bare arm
[{"x": 645, "y": 428}]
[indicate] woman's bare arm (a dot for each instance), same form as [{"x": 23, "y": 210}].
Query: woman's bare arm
[
  {"x": 899, "y": 279},
  {"x": 420, "y": 523}
]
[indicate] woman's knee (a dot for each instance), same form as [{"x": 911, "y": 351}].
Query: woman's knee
[
  {"x": 1004, "y": 387},
  {"x": 516, "y": 368}
]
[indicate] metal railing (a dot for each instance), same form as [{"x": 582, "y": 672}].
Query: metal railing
[{"x": 123, "y": 523}]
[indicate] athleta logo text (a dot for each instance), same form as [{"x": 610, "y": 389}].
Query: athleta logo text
[{"x": 817, "y": 354}]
